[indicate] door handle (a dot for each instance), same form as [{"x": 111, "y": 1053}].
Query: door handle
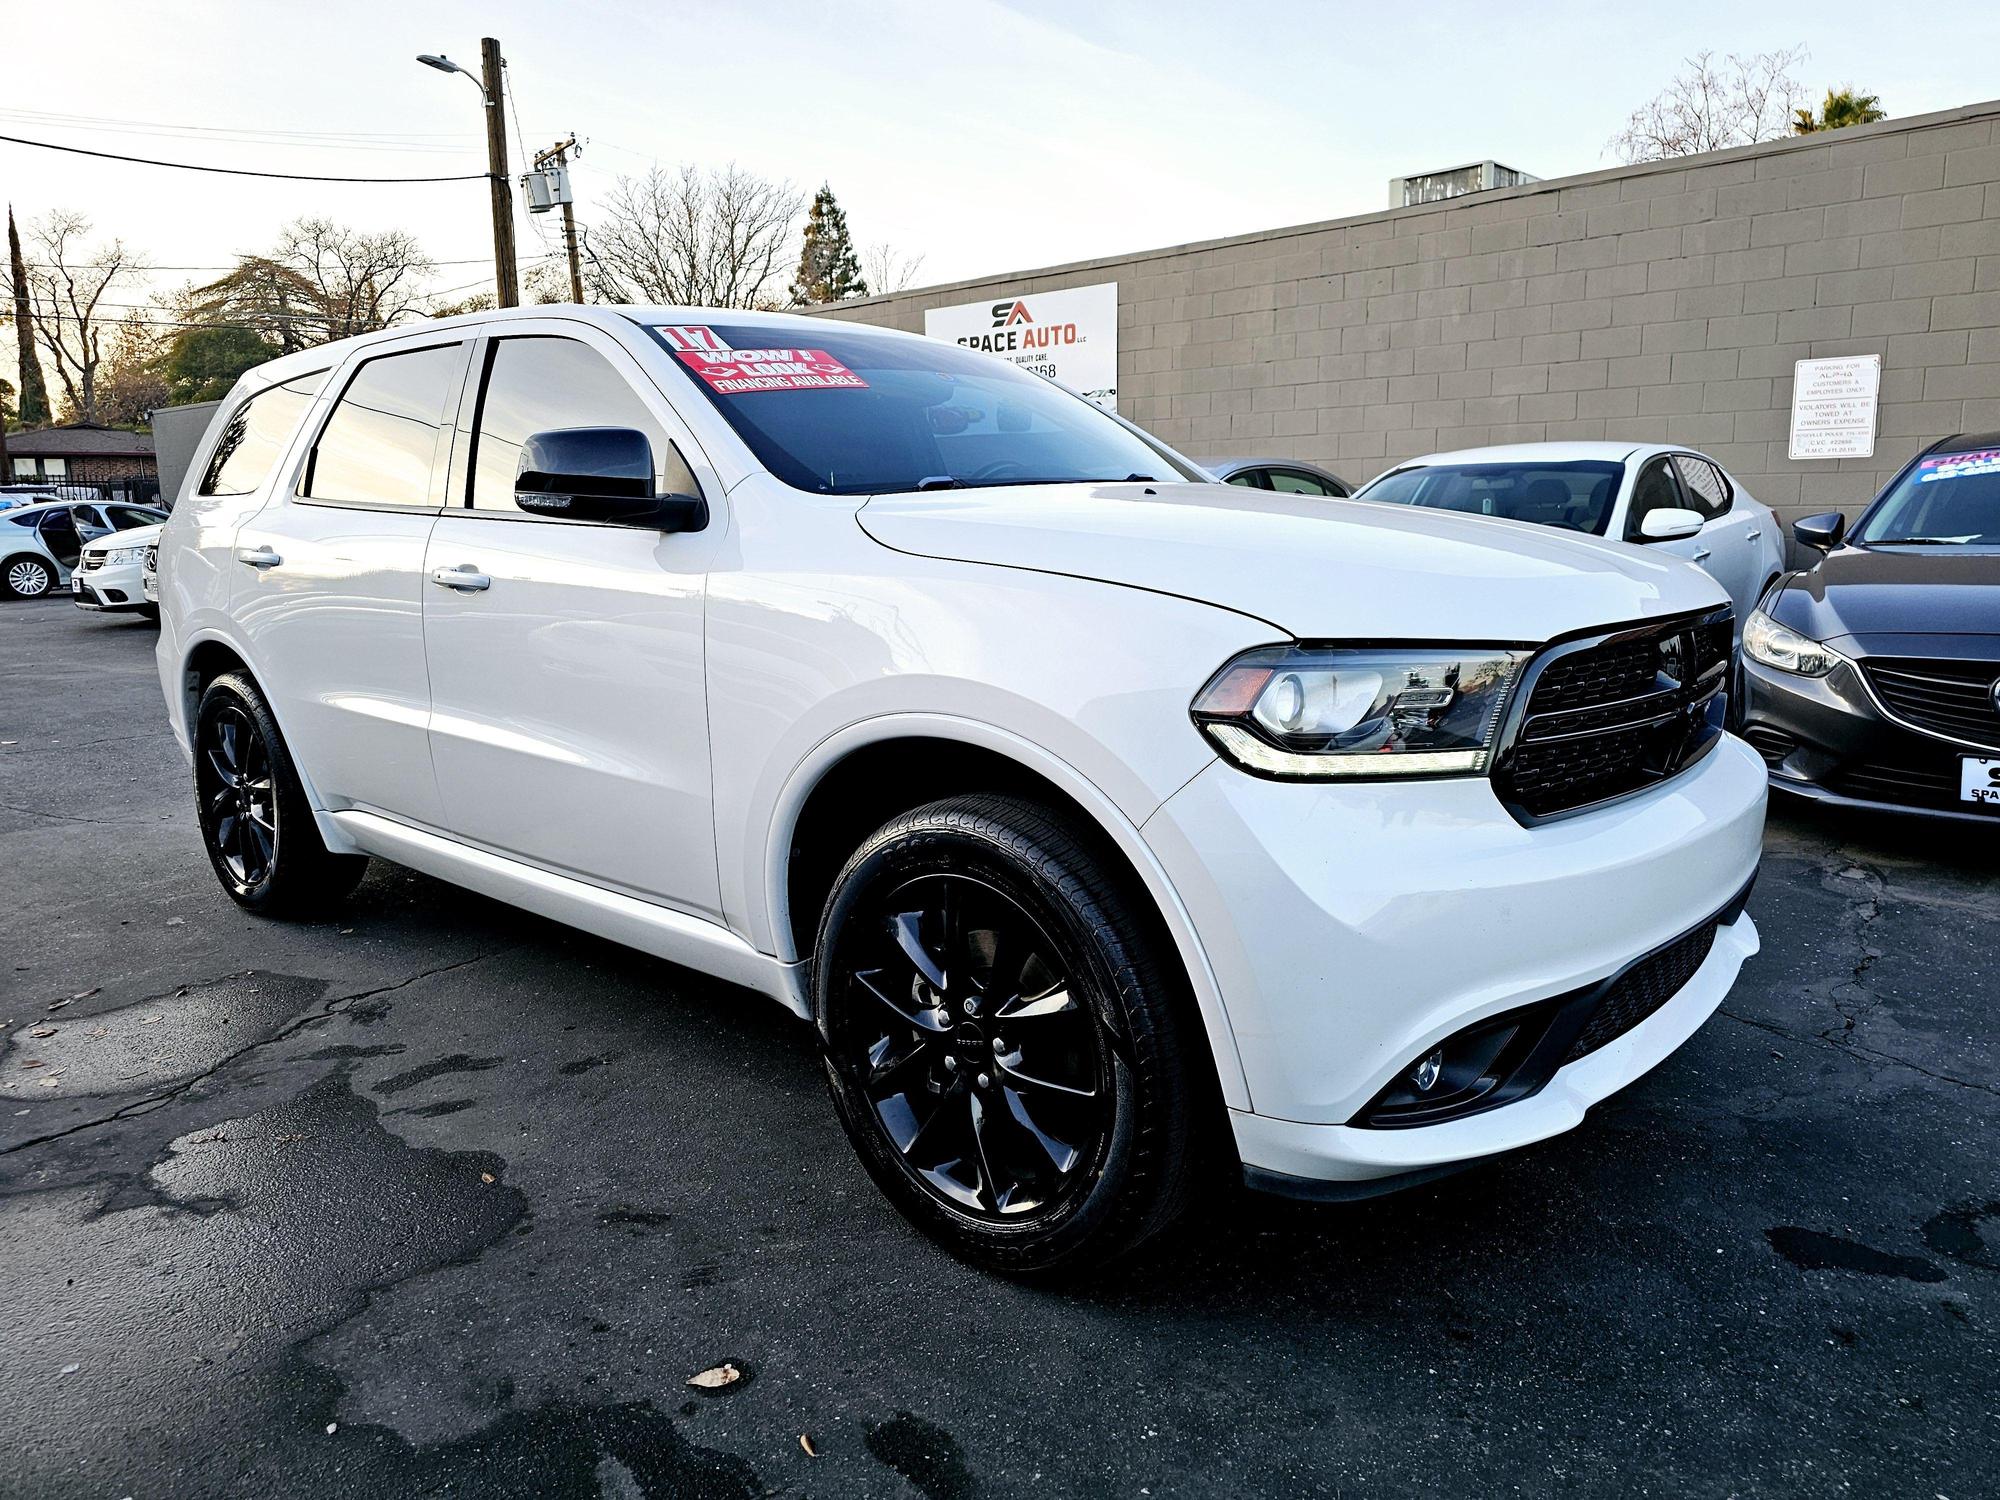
[
  {"x": 258, "y": 557},
  {"x": 1701, "y": 554},
  {"x": 462, "y": 578}
]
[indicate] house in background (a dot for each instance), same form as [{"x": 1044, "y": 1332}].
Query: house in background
[{"x": 109, "y": 457}]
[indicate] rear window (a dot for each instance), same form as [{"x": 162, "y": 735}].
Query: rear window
[
  {"x": 1577, "y": 496},
  {"x": 256, "y": 434},
  {"x": 860, "y": 413}
]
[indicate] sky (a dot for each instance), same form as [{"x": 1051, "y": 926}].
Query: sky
[{"x": 984, "y": 136}]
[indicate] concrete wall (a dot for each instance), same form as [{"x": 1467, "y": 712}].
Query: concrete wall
[{"x": 1665, "y": 302}]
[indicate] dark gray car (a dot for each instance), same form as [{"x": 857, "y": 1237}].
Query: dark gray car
[
  {"x": 1286, "y": 475},
  {"x": 1874, "y": 677}
]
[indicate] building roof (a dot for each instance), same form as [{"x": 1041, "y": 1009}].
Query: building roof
[{"x": 80, "y": 440}]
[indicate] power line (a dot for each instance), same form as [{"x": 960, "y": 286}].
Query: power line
[
  {"x": 149, "y": 161},
  {"x": 141, "y": 126}
]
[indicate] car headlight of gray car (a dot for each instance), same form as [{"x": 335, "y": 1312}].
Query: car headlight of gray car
[
  {"x": 1322, "y": 713},
  {"x": 1781, "y": 647}
]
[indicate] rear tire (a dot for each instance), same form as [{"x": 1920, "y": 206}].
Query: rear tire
[
  {"x": 1008, "y": 1040},
  {"x": 256, "y": 823},
  {"x": 27, "y": 577}
]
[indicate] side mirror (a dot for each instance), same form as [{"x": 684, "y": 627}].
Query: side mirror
[
  {"x": 1669, "y": 524},
  {"x": 1822, "y": 532},
  {"x": 601, "y": 474}
]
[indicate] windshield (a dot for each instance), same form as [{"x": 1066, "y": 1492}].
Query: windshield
[
  {"x": 1578, "y": 496},
  {"x": 860, "y": 413},
  {"x": 1947, "y": 500}
]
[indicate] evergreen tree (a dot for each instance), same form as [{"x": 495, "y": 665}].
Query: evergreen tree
[
  {"x": 33, "y": 410},
  {"x": 1843, "y": 107},
  {"x": 829, "y": 270}
]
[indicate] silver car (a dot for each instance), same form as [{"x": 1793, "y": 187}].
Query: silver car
[{"x": 40, "y": 544}]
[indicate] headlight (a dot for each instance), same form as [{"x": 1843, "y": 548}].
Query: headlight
[
  {"x": 1775, "y": 645},
  {"x": 1336, "y": 712},
  {"x": 113, "y": 556}
]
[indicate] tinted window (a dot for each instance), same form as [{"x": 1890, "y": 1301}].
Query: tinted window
[
  {"x": 256, "y": 434},
  {"x": 1656, "y": 490},
  {"x": 1292, "y": 482},
  {"x": 124, "y": 517},
  {"x": 545, "y": 384},
  {"x": 31, "y": 518},
  {"x": 1946, "y": 499},
  {"x": 1250, "y": 479},
  {"x": 1707, "y": 489},
  {"x": 861, "y": 412},
  {"x": 1577, "y": 496},
  {"x": 378, "y": 446}
]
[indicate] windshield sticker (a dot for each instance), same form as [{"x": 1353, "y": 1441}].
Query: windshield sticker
[
  {"x": 1959, "y": 465},
  {"x": 735, "y": 372}
]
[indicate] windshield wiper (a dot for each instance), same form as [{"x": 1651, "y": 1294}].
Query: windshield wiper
[
  {"x": 941, "y": 482},
  {"x": 1921, "y": 541}
]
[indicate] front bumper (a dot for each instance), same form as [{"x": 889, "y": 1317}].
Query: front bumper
[
  {"x": 110, "y": 590},
  {"x": 1353, "y": 928},
  {"x": 1828, "y": 739}
]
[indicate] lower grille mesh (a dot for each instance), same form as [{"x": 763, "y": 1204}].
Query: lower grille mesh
[{"x": 1643, "y": 989}]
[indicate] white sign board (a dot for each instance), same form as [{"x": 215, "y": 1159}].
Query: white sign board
[
  {"x": 1833, "y": 406},
  {"x": 1069, "y": 336}
]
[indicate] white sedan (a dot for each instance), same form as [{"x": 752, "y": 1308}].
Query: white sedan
[
  {"x": 1655, "y": 494},
  {"x": 108, "y": 576}
]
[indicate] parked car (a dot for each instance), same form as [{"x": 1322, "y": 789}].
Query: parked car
[
  {"x": 1285, "y": 475},
  {"x": 1674, "y": 499},
  {"x": 149, "y": 577},
  {"x": 1875, "y": 674},
  {"x": 1111, "y": 826},
  {"x": 40, "y": 544},
  {"x": 107, "y": 577}
]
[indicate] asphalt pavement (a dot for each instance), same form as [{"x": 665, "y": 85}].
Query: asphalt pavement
[{"x": 440, "y": 1198}]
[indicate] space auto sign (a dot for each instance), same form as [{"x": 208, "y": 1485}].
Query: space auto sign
[{"x": 1069, "y": 336}]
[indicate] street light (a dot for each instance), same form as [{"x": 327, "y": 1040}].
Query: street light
[{"x": 507, "y": 285}]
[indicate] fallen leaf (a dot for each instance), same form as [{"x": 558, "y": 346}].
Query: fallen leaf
[
  {"x": 57, "y": 1004},
  {"x": 71, "y": 1369},
  {"x": 50, "y": 1083},
  {"x": 806, "y": 1443},
  {"x": 42, "y": 1031},
  {"x": 34, "y": 1062},
  {"x": 485, "y": 1176},
  {"x": 98, "y": 1031},
  {"x": 177, "y": 921},
  {"x": 86, "y": 994},
  {"x": 716, "y": 1379},
  {"x": 152, "y": 1020}
]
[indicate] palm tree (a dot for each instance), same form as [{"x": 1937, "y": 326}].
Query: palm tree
[{"x": 1843, "y": 107}]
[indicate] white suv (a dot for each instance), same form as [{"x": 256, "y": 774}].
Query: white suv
[{"x": 1113, "y": 828}]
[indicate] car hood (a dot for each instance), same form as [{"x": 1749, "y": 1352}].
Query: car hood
[
  {"x": 132, "y": 536},
  {"x": 1860, "y": 591},
  {"x": 1316, "y": 568}
]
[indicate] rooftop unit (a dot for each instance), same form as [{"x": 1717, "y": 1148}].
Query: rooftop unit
[{"x": 1453, "y": 182}]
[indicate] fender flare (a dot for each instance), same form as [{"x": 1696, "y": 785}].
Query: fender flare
[{"x": 1110, "y": 819}]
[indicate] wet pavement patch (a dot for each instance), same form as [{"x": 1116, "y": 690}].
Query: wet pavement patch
[
  {"x": 1970, "y": 1234},
  {"x": 1814, "y": 1250},
  {"x": 148, "y": 1044},
  {"x": 458, "y": 1062},
  {"x": 923, "y": 1453}
]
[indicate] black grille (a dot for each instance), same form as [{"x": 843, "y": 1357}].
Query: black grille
[
  {"x": 1921, "y": 781},
  {"x": 1947, "y": 697},
  {"x": 1613, "y": 715},
  {"x": 1643, "y": 989},
  {"x": 1771, "y": 743}
]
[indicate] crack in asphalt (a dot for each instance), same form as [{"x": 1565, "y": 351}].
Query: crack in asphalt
[
  {"x": 337, "y": 1006},
  {"x": 55, "y": 817}
]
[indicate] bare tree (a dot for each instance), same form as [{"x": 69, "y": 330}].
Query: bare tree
[
  {"x": 695, "y": 238},
  {"x": 359, "y": 282},
  {"x": 1714, "y": 105},
  {"x": 887, "y": 271},
  {"x": 67, "y": 284}
]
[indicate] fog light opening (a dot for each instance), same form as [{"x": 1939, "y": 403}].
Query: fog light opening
[{"x": 1425, "y": 1074}]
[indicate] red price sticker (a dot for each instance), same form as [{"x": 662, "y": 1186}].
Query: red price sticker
[{"x": 736, "y": 372}]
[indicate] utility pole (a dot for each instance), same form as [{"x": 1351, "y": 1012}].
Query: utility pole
[
  {"x": 504, "y": 272},
  {"x": 557, "y": 156}
]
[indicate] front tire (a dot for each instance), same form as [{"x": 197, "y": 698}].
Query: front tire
[
  {"x": 28, "y": 577},
  {"x": 1007, "y": 1040},
  {"x": 256, "y": 823}
]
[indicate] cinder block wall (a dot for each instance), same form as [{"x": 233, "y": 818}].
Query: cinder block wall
[{"x": 1665, "y": 302}]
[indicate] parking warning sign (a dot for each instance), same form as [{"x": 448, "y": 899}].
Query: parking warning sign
[{"x": 736, "y": 372}]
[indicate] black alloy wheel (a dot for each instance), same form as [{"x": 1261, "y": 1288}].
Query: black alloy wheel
[
  {"x": 256, "y": 822},
  {"x": 239, "y": 804},
  {"x": 1006, "y": 1047},
  {"x": 981, "y": 1067}
]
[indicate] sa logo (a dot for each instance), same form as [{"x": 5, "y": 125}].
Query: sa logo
[{"x": 1007, "y": 314}]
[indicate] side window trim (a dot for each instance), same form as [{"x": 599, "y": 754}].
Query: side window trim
[
  {"x": 362, "y": 358},
  {"x": 1728, "y": 502}
]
